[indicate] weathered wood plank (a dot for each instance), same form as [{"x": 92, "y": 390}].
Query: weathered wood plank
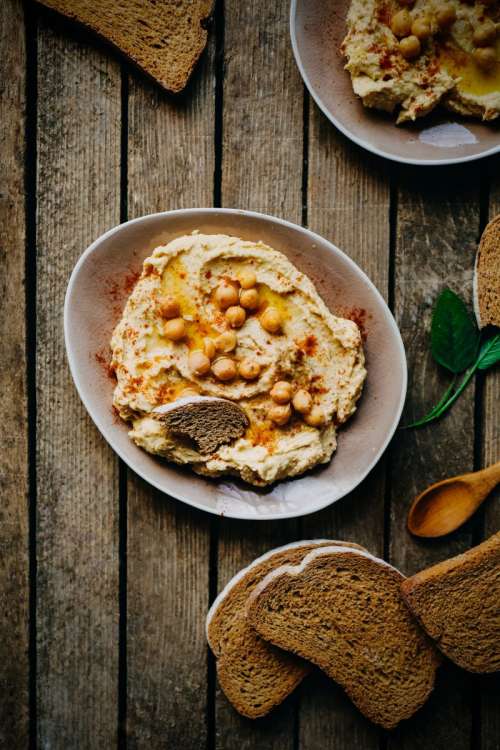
[
  {"x": 490, "y": 452},
  {"x": 77, "y": 476},
  {"x": 14, "y": 584},
  {"x": 261, "y": 171},
  {"x": 437, "y": 229},
  {"x": 171, "y": 165},
  {"x": 349, "y": 203}
]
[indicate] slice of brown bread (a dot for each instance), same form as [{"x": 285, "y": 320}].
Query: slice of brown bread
[
  {"x": 164, "y": 38},
  {"x": 254, "y": 675},
  {"x": 342, "y": 610},
  {"x": 458, "y": 604},
  {"x": 487, "y": 276},
  {"x": 209, "y": 422}
]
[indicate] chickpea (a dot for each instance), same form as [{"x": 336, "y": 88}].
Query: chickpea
[
  {"x": 302, "y": 401},
  {"x": 270, "y": 320},
  {"x": 224, "y": 369},
  {"x": 410, "y": 47},
  {"x": 174, "y": 329},
  {"x": 169, "y": 307},
  {"x": 247, "y": 279},
  {"x": 199, "y": 363},
  {"x": 249, "y": 299},
  {"x": 401, "y": 23},
  {"x": 281, "y": 392},
  {"x": 209, "y": 348},
  {"x": 249, "y": 369},
  {"x": 485, "y": 34},
  {"x": 235, "y": 316},
  {"x": 280, "y": 414},
  {"x": 421, "y": 28},
  {"x": 446, "y": 17},
  {"x": 485, "y": 58},
  {"x": 226, "y": 342},
  {"x": 315, "y": 418},
  {"x": 226, "y": 295}
]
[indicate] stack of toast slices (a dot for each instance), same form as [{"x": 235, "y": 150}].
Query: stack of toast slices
[{"x": 335, "y": 606}]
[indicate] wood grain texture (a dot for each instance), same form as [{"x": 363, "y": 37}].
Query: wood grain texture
[
  {"x": 77, "y": 477},
  {"x": 489, "y": 716},
  {"x": 437, "y": 231},
  {"x": 171, "y": 165},
  {"x": 14, "y": 584},
  {"x": 349, "y": 204},
  {"x": 261, "y": 171}
]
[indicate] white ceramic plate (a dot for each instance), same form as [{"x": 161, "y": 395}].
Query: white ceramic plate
[
  {"x": 317, "y": 29},
  {"x": 97, "y": 291}
]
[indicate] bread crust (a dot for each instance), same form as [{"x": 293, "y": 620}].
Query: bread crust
[
  {"x": 486, "y": 285},
  {"x": 457, "y": 602}
]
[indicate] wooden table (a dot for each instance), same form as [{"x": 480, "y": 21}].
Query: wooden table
[{"x": 105, "y": 583}]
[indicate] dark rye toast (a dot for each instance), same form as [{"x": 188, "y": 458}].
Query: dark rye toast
[
  {"x": 342, "y": 610},
  {"x": 487, "y": 276},
  {"x": 254, "y": 675},
  {"x": 164, "y": 39},
  {"x": 458, "y": 603}
]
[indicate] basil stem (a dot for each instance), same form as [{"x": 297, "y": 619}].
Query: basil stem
[{"x": 432, "y": 414}]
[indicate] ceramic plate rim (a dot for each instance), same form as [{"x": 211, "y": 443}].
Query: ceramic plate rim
[
  {"x": 360, "y": 141},
  {"x": 273, "y": 219}
]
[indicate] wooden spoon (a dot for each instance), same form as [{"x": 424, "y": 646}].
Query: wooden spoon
[{"x": 445, "y": 506}]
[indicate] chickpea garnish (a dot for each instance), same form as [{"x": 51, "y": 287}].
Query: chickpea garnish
[
  {"x": 410, "y": 47},
  {"x": 226, "y": 342},
  {"x": 249, "y": 299},
  {"x": 302, "y": 401},
  {"x": 188, "y": 392},
  {"x": 421, "y": 28},
  {"x": 224, "y": 369},
  {"x": 270, "y": 320},
  {"x": 485, "y": 58},
  {"x": 247, "y": 279},
  {"x": 401, "y": 23},
  {"x": 199, "y": 363},
  {"x": 209, "y": 348},
  {"x": 280, "y": 414},
  {"x": 485, "y": 34},
  {"x": 315, "y": 418},
  {"x": 235, "y": 316},
  {"x": 249, "y": 369},
  {"x": 281, "y": 392},
  {"x": 226, "y": 295},
  {"x": 169, "y": 307},
  {"x": 446, "y": 17},
  {"x": 174, "y": 329}
]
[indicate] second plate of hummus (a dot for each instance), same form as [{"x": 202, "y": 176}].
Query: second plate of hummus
[{"x": 208, "y": 304}]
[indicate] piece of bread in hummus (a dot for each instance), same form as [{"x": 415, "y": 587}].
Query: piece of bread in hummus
[
  {"x": 191, "y": 327},
  {"x": 455, "y": 62}
]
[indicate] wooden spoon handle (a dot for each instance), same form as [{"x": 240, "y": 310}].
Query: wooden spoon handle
[{"x": 488, "y": 478}]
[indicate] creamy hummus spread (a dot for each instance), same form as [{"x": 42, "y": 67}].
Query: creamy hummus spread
[
  {"x": 407, "y": 57},
  {"x": 296, "y": 369}
]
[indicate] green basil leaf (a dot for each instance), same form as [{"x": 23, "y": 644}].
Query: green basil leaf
[
  {"x": 454, "y": 334},
  {"x": 490, "y": 353}
]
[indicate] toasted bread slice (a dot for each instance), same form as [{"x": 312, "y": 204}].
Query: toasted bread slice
[
  {"x": 254, "y": 675},
  {"x": 458, "y": 604},
  {"x": 209, "y": 421},
  {"x": 342, "y": 610},
  {"x": 487, "y": 276},
  {"x": 164, "y": 39}
]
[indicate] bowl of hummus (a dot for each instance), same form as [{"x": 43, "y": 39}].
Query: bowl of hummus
[
  {"x": 208, "y": 306},
  {"x": 416, "y": 81}
]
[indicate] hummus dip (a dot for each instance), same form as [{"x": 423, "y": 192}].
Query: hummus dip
[
  {"x": 407, "y": 57},
  {"x": 218, "y": 316}
]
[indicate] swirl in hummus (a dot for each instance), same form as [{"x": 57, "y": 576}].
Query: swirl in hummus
[
  {"x": 295, "y": 369},
  {"x": 407, "y": 56}
]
